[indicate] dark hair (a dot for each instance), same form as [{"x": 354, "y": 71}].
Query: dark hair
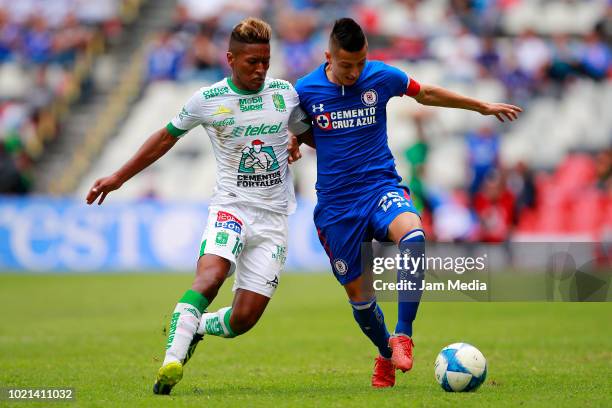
[{"x": 348, "y": 35}]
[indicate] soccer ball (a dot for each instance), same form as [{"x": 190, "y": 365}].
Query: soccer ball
[{"x": 460, "y": 367}]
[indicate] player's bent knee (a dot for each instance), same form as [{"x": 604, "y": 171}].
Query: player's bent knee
[
  {"x": 411, "y": 221},
  {"x": 402, "y": 224}
]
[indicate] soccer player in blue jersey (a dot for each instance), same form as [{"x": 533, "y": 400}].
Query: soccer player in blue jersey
[{"x": 358, "y": 189}]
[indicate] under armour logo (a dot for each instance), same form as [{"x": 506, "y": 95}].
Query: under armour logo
[{"x": 317, "y": 108}]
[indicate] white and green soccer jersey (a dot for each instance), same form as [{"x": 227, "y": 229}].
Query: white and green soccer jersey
[{"x": 248, "y": 131}]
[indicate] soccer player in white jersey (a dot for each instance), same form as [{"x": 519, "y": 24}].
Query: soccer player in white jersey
[{"x": 247, "y": 117}]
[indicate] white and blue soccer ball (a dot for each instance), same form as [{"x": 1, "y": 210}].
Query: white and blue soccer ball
[{"x": 460, "y": 367}]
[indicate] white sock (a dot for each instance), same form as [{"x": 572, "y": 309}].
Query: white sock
[
  {"x": 183, "y": 326},
  {"x": 217, "y": 323}
]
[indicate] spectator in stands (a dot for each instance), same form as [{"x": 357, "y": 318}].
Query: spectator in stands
[
  {"x": 596, "y": 57},
  {"x": 416, "y": 155},
  {"x": 483, "y": 155},
  {"x": 479, "y": 16},
  {"x": 16, "y": 126},
  {"x": 489, "y": 58},
  {"x": 603, "y": 165},
  {"x": 533, "y": 54},
  {"x": 464, "y": 12},
  {"x": 11, "y": 179},
  {"x": 521, "y": 183},
  {"x": 164, "y": 58},
  {"x": 203, "y": 58},
  {"x": 604, "y": 25},
  {"x": 38, "y": 41},
  {"x": 564, "y": 62},
  {"x": 407, "y": 40},
  {"x": 452, "y": 219},
  {"x": 9, "y": 37},
  {"x": 459, "y": 55},
  {"x": 70, "y": 39},
  {"x": 299, "y": 46},
  {"x": 494, "y": 207},
  {"x": 519, "y": 85}
]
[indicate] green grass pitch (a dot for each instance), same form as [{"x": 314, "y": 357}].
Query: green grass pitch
[{"x": 102, "y": 335}]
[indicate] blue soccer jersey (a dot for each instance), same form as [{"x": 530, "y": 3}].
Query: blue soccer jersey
[
  {"x": 357, "y": 185},
  {"x": 350, "y": 129}
]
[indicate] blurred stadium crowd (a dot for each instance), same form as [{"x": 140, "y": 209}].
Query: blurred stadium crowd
[
  {"x": 552, "y": 173},
  {"x": 47, "y": 49},
  {"x": 476, "y": 38}
]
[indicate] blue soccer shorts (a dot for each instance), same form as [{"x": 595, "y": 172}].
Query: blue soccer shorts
[{"x": 343, "y": 230}]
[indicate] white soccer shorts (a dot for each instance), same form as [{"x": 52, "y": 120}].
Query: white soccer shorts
[{"x": 253, "y": 240}]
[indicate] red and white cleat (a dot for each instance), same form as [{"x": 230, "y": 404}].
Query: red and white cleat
[
  {"x": 401, "y": 346},
  {"x": 384, "y": 373}
]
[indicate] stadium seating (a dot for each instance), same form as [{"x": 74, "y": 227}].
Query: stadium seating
[
  {"x": 47, "y": 50},
  {"x": 564, "y": 123}
]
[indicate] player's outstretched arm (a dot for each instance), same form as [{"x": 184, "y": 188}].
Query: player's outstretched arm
[
  {"x": 437, "y": 96},
  {"x": 152, "y": 149}
]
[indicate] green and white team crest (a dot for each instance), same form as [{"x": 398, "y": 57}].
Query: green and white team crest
[
  {"x": 221, "y": 238},
  {"x": 258, "y": 158},
  {"x": 279, "y": 102}
]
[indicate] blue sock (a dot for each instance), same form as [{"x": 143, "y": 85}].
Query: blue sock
[
  {"x": 408, "y": 303},
  {"x": 372, "y": 322}
]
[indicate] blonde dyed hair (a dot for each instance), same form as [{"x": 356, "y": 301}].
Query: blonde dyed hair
[{"x": 251, "y": 30}]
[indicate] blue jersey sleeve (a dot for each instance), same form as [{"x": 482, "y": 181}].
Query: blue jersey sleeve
[
  {"x": 395, "y": 79},
  {"x": 298, "y": 86}
]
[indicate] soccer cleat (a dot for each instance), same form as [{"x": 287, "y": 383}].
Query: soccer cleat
[
  {"x": 384, "y": 373},
  {"x": 167, "y": 377},
  {"x": 192, "y": 346},
  {"x": 401, "y": 346}
]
